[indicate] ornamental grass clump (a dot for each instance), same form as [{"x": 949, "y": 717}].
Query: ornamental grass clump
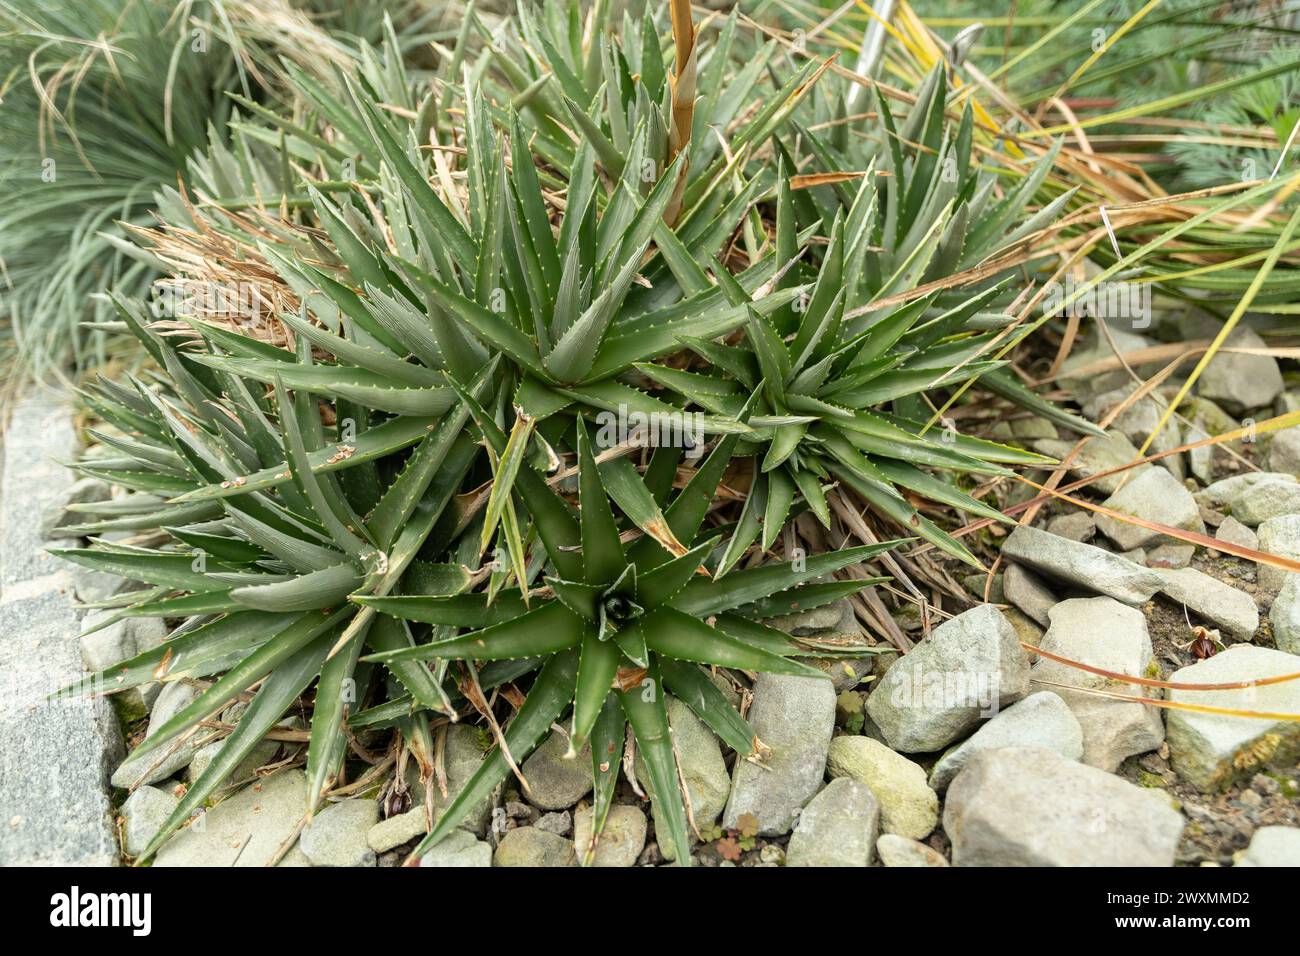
[{"x": 105, "y": 104}]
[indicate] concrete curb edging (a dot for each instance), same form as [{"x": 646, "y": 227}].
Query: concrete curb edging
[{"x": 55, "y": 756}]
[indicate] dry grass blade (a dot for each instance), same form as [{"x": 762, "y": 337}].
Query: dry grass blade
[
  {"x": 1272, "y": 424},
  {"x": 474, "y": 694},
  {"x": 1173, "y": 352},
  {"x": 1174, "y": 704},
  {"x": 1152, "y": 682},
  {"x": 1111, "y": 39},
  {"x": 684, "y": 89},
  {"x": 1191, "y": 537},
  {"x": 1243, "y": 304},
  {"x": 1289, "y": 420},
  {"x": 809, "y": 180}
]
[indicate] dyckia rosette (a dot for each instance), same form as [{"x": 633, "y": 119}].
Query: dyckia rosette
[
  {"x": 270, "y": 518},
  {"x": 272, "y": 484},
  {"x": 840, "y": 374},
  {"x": 620, "y": 621}
]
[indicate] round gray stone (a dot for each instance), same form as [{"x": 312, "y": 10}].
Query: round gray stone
[
  {"x": 1212, "y": 750},
  {"x": 895, "y": 850},
  {"x": 172, "y": 699},
  {"x": 1241, "y": 381},
  {"x": 143, "y": 814},
  {"x": 1027, "y": 591},
  {"x": 794, "y": 717},
  {"x": 1040, "y": 720},
  {"x": 908, "y": 805},
  {"x": 458, "y": 848},
  {"x": 557, "y": 782},
  {"x": 398, "y": 829},
  {"x": 1226, "y": 494},
  {"x": 1221, "y": 604},
  {"x": 1109, "y": 635},
  {"x": 1084, "y": 565},
  {"x": 1077, "y": 526},
  {"x": 336, "y": 835},
  {"x": 970, "y": 666},
  {"x": 1280, "y": 536},
  {"x": 1268, "y": 499},
  {"x": 1272, "y": 846},
  {"x": 1285, "y": 616},
  {"x": 838, "y": 827},
  {"x": 246, "y": 829},
  {"x": 1096, "y": 456},
  {"x": 621, "y": 841},
  {"x": 1232, "y": 531},
  {"x": 529, "y": 846},
  {"x": 1155, "y": 495},
  {"x": 1284, "y": 451},
  {"x": 1026, "y": 806}
]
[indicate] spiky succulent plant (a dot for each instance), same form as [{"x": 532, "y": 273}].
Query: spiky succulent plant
[
  {"x": 284, "y": 471},
  {"x": 618, "y": 624},
  {"x": 421, "y": 265},
  {"x": 639, "y": 103},
  {"x": 847, "y": 365},
  {"x": 448, "y": 296},
  {"x": 271, "y": 520}
]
